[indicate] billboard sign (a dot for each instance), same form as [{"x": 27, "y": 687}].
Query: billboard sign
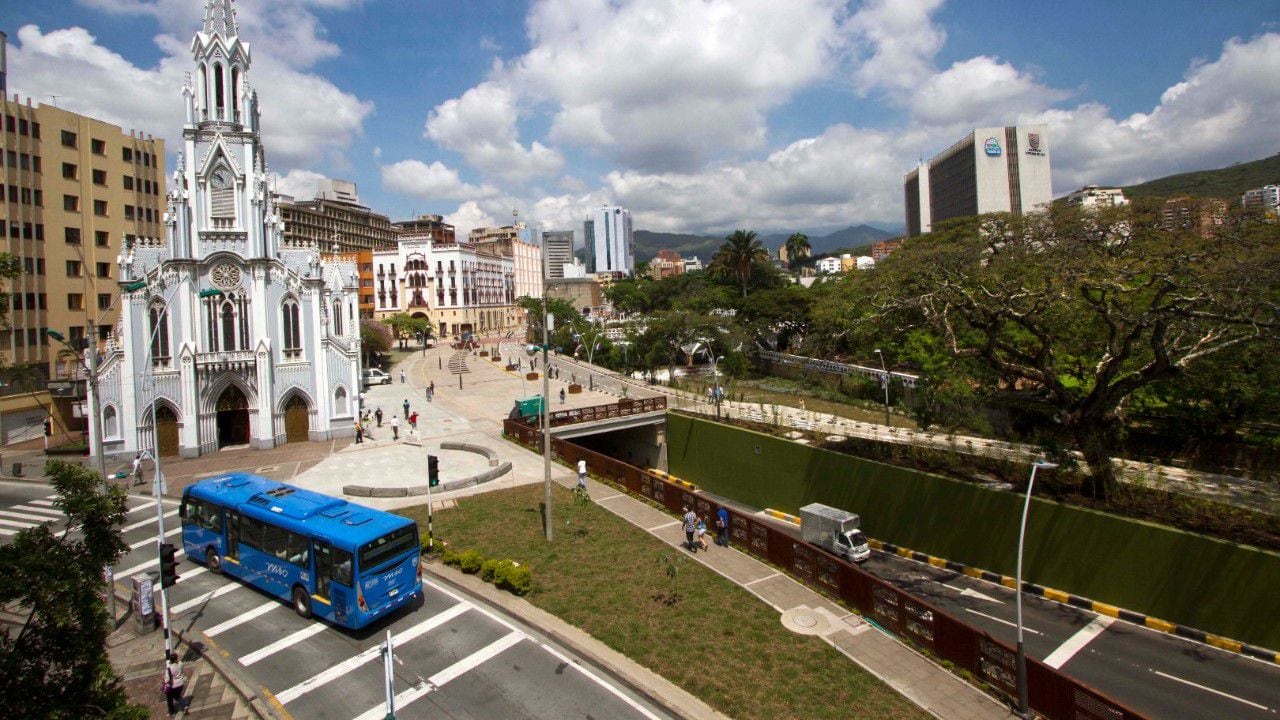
[{"x": 991, "y": 147}]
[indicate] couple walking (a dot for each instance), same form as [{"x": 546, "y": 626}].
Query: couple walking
[{"x": 695, "y": 529}]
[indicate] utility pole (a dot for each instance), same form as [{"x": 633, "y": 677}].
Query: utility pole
[{"x": 546, "y": 400}]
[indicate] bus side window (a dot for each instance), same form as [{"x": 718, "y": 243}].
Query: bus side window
[
  {"x": 182, "y": 509},
  {"x": 342, "y": 567}
]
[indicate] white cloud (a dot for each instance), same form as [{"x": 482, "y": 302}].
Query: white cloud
[
  {"x": 897, "y": 41},
  {"x": 430, "y": 182},
  {"x": 299, "y": 184},
  {"x": 979, "y": 91},
  {"x": 481, "y": 125},
  {"x": 467, "y": 217}
]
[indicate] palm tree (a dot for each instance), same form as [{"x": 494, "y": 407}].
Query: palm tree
[
  {"x": 797, "y": 249},
  {"x": 738, "y": 255}
]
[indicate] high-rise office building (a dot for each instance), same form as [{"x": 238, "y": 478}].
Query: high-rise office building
[
  {"x": 74, "y": 191},
  {"x": 557, "y": 246},
  {"x": 610, "y": 246},
  {"x": 335, "y": 221},
  {"x": 989, "y": 170}
]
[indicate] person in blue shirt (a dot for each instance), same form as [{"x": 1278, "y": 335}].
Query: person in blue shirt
[{"x": 722, "y": 527}]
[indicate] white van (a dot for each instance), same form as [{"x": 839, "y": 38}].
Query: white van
[{"x": 374, "y": 376}]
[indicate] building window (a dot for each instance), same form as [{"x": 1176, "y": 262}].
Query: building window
[
  {"x": 69, "y": 171},
  {"x": 68, "y": 139},
  {"x": 110, "y": 423},
  {"x": 292, "y": 328},
  {"x": 104, "y": 301},
  {"x": 159, "y": 327},
  {"x": 73, "y": 268},
  {"x": 100, "y": 208},
  {"x": 128, "y": 182},
  {"x": 101, "y": 238},
  {"x": 71, "y": 203},
  {"x": 228, "y": 326},
  {"x": 100, "y": 177},
  {"x": 340, "y": 402},
  {"x": 128, "y": 212},
  {"x": 337, "y": 317},
  {"x": 126, "y": 154},
  {"x": 98, "y": 147},
  {"x": 72, "y": 235},
  {"x": 104, "y": 269},
  {"x": 75, "y": 301}
]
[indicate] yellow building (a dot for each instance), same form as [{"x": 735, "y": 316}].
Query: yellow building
[{"x": 75, "y": 191}]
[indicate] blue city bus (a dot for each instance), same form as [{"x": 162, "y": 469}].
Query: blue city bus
[{"x": 337, "y": 560}]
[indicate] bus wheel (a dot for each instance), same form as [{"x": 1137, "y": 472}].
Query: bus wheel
[
  {"x": 301, "y": 602},
  {"x": 213, "y": 560}
]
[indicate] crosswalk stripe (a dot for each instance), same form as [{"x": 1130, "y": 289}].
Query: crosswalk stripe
[
  {"x": 137, "y": 525},
  {"x": 352, "y": 663},
  {"x": 143, "y": 566},
  {"x": 183, "y": 607},
  {"x": 7, "y": 531},
  {"x": 153, "y": 538},
  {"x": 26, "y": 516},
  {"x": 46, "y": 503},
  {"x": 314, "y": 628},
  {"x": 18, "y": 523},
  {"x": 51, "y": 512},
  {"x": 187, "y": 574},
  {"x": 242, "y": 618},
  {"x": 435, "y": 682}
]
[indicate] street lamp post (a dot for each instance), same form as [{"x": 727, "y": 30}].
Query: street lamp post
[
  {"x": 885, "y": 379},
  {"x": 715, "y": 370},
  {"x": 1023, "y": 709}
]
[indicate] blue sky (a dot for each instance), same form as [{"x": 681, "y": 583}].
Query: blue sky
[{"x": 698, "y": 115}]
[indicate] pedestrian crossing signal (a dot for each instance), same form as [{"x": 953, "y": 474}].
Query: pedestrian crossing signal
[
  {"x": 168, "y": 565},
  {"x": 433, "y": 470}
]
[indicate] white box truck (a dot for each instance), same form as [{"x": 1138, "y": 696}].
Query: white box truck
[{"x": 835, "y": 530}]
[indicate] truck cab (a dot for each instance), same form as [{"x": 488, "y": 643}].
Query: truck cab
[
  {"x": 834, "y": 530},
  {"x": 853, "y": 546}
]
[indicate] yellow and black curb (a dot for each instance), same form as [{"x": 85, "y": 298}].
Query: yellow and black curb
[{"x": 1078, "y": 601}]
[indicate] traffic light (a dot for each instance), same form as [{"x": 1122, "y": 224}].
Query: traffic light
[
  {"x": 168, "y": 565},
  {"x": 433, "y": 470}
]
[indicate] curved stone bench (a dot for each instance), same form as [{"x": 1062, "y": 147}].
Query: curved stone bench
[{"x": 477, "y": 449}]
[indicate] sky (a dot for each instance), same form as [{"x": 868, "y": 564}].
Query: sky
[{"x": 696, "y": 115}]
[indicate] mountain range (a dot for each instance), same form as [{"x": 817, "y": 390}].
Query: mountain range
[
  {"x": 1229, "y": 182},
  {"x": 647, "y": 243}
]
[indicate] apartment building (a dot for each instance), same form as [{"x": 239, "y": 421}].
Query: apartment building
[
  {"x": 334, "y": 220},
  {"x": 1203, "y": 215},
  {"x": 74, "y": 192},
  {"x": 432, "y": 226},
  {"x": 558, "y": 246}
]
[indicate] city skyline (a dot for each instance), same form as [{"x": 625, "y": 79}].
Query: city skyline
[{"x": 698, "y": 117}]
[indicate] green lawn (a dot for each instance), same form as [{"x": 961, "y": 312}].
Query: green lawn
[{"x": 717, "y": 641}]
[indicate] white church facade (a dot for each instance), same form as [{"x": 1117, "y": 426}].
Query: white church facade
[{"x": 227, "y": 336}]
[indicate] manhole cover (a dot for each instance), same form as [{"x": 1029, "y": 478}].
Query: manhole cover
[{"x": 805, "y": 621}]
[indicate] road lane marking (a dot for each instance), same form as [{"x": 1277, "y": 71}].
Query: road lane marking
[
  {"x": 19, "y": 523},
  {"x": 1002, "y": 621},
  {"x": 435, "y": 682},
  {"x": 144, "y": 523},
  {"x": 967, "y": 592},
  {"x": 49, "y": 511},
  {"x": 262, "y": 609},
  {"x": 766, "y": 577},
  {"x": 27, "y": 516},
  {"x": 599, "y": 681},
  {"x": 350, "y": 664},
  {"x": 663, "y": 525},
  {"x": 183, "y": 607},
  {"x": 143, "y": 566},
  {"x": 1263, "y": 708},
  {"x": 315, "y": 628},
  {"x": 46, "y": 503},
  {"x": 6, "y": 531},
  {"x": 154, "y": 538},
  {"x": 1076, "y": 643},
  {"x": 188, "y": 574}
]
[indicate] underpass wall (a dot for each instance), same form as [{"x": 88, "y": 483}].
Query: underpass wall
[{"x": 1177, "y": 576}]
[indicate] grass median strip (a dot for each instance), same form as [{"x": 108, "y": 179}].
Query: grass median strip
[{"x": 697, "y": 629}]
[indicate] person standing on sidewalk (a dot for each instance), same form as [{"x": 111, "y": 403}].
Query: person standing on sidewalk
[
  {"x": 174, "y": 684},
  {"x": 582, "y": 474},
  {"x": 137, "y": 469},
  {"x": 359, "y": 432},
  {"x": 413, "y": 421},
  {"x": 722, "y": 526},
  {"x": 401, "y": 377},
  {"x": 406, "y": 408},
  {"x": 377, "y": 414},
  {"x": 690, "y": 525},
  {"x": 395, "y": 428}
]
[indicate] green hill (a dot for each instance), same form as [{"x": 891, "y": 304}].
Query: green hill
[{"x": 1228, "y": 182}]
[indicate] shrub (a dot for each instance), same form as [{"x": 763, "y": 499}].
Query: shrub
[
  {"x": 451, "y": 557},
  {"x": 469, "y": 561},
  {"x": 516, "y": 579},
  {"x": 488, "y": 568}
]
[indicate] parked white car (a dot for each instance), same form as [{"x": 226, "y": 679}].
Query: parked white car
[{"x": 374, "y": 376}]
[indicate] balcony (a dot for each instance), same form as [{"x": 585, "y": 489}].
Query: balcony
[{"x": 224, "y": 360}]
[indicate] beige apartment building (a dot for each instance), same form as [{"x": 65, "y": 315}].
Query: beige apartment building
[
  {"x": 335, "y": 217},
  {"x": 74, "y": 191}
]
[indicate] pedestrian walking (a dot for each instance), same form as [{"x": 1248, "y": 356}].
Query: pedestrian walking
[
  {"x": 378, "y": 415},
  {"x": 413, "y": 421},
  {"x": 722, "y": 526},
  {"x": 582, "y": 474},
  {"x": 174, "y": 683},
  {"x": 395, "y": 428},
  {"x": 561, "y": 396},
  {"x": 690, "y": 526},
  {"x": 359, "y": 432},
  {"x": 406, "y": 408},
  {"x": 701, "y": 530},
  {"x": 401, "y": 377},
  {"x": 137, "y": 469}
]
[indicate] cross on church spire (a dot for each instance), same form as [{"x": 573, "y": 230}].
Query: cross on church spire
[{"x": 220, "y": 18}]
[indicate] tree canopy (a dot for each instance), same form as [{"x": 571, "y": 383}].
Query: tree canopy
[{"x": 739, "y": 256}]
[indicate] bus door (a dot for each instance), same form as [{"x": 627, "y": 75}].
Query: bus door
[
  {"x": 324, "y": 568},
  {"x": 333, "y": 579},
  {"x": 233, "y": 535}
]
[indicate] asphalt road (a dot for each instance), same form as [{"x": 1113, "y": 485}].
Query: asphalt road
[
  {"x": 1157, "y": 674},
  {"x": 455, "y": 657}
]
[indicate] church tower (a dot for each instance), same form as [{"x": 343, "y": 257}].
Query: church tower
[{"x": 227, "y": 337}]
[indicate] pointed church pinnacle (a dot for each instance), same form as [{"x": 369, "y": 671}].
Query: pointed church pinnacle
[{"x": 220, "y": 18}]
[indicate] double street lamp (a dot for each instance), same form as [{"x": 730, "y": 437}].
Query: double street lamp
[
  {"x": 1023, "y": 709},
  {"x": 884, "y": 378}
]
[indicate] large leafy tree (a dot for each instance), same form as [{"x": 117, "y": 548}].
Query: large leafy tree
[
  {"x": 797, "y": 249},
  {"x": 1083, "y": 310},
  {"x": 55, "y": 665},
  {"x": 739, "y": 256}
]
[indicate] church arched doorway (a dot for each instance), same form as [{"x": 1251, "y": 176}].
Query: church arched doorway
[
  {"x": 166, "y": 432},
  {"x": 233, "y": 418},
  {"x": 297, "y": 423}
]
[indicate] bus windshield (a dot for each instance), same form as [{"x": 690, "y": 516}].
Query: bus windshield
[{"x": 375, "y": 554}]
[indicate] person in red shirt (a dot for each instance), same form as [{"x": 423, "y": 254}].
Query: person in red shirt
[{"x": 413, "y": 421}]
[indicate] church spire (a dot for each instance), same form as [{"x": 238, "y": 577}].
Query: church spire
[{"x": 220, "y": 18}]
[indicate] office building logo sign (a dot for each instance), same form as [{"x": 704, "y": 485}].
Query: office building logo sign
[
  {"x": 1033, "y": 144},
  {"x": 991, "y": 147}
]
